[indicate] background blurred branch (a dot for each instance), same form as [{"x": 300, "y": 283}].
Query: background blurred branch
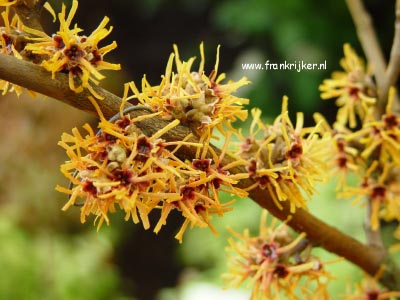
[
  {"x": 368, "y": 38},
  {"x": 35, "y": 78},
  {"x": 385, "y": 77},
  {"x": 393, "y": 69}
]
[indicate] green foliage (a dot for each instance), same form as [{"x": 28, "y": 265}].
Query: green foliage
[
  {"x": 47, "y": 265},
  {"x": 292, "y": 31}
]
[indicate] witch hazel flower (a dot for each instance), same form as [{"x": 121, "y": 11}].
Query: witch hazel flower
[
  {"x": 284, "y": 159},
  {"x": 8, "y": 42},
  {"x": 199, "y": 101},
  {"x": 275, "y": 262},
  {"x": 380, "y": 187},
  {"x": 353, "y": 88},
  {"x": 199, "y": 189},
  {"x": 68, "y": 51},
  {"x": 380, "y": 138},
  {"x": 369, "y": 289},
  {"x": 120, "y": 167},
  {"x": 123, "y": 169},
  {"x": 345, "y": 154}
]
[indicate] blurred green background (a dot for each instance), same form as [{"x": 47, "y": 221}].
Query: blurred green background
[{"x": 48, "y": 254}]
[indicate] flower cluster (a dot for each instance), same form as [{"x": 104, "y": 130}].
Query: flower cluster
[
  {"x": 70, "y": 52},
  {"x": 202, "y": 102},
  {"x": 353, "y": 89},
  {"x": 372, "y": 151},
  {"x": 369, "y": 289},
  {"x": 276, "y": 263},
  {"x": 122, "y": 167},
  {"x": 7, "y": 45},
  {"x": 285, "y": 159},
  {"x": 345, "y": 156},
  {"x": 372, "y": 154},
  {"x": 380, "y": 137}
]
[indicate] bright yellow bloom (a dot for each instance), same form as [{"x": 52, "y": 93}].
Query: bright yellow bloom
[
  {"x": 198, "y": 189},
  {"x": 381, "y": 137},
  {"x": 122, "y": 167},
  {"x": 7, "y": 46},
  {"x": 118, "y": 167},
  {"x": 369, "y": 289},
  {"x": 345, "y": 157},
  {"x": 285, "y": 159},
  {"x": 7, "y": 2},
  {"x": 69, "y": 51},
  {"x": 275, "y": 262},
  {"x": 353, "y": 89},
  {"x": 202, "y": 102},
  {"x": 380, "y": 186}
]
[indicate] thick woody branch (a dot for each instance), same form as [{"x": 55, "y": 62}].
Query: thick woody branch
[{"x": 35, "y": 78}]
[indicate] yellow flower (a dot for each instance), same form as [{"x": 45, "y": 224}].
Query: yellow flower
[
  {"x": 380, "y": 186},
  {"x": 202, "y": 102},
  {"x": 198, "y": 189},
  {"x": 68, "y": 51},
  {"x": 7, "y": 2},
  {"x": 118, "y": 167},
  {"x": 122, "y": 168},
  {"x": 345, "y": 157},
  {"x": 353, "y": 89},
  {"x": 275, "y": 262},
  {"x": 285, "y": 159},
  {"x": 369, "y": 289},
  {"x": 380, "y": 138},
  {"x": 7, "y": 46}
]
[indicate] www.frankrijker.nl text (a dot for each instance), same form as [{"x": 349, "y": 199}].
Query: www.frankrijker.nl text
[{"x": 296, "y": 66}]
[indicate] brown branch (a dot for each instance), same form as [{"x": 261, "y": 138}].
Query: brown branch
[
  {"x": 35, "y": 78},
  {"x": 393, "y": 69},
  {"x": 369, "y": 41}
]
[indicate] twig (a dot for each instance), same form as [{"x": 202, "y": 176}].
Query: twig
[
  {"x": 368, "y": 38},
  {"x": 393, "y": 69},
  {"x": 35, "y": 78}
]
